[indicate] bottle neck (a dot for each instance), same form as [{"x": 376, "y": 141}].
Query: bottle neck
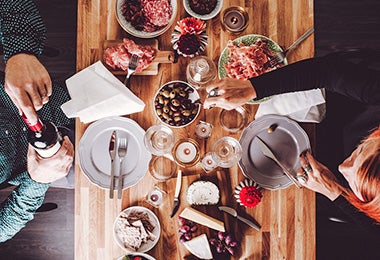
[{"x": 37, "y": 127}]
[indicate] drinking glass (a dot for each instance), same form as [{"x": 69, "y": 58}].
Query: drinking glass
[
  {"x": 200, "y": 71},
  {"x": 159, "y": 140},
  {"x": 226, "y": 151},
  {"x": 162, "y": 168},
  {"x": 233, "y": 120}
]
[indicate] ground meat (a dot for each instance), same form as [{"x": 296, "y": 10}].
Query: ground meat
[{"x": 202, "y": 6}]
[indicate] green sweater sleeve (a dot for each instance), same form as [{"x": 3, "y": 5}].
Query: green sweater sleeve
[
  {"x": 20, "y": 206},
  {"x": 22, "y": 28}
]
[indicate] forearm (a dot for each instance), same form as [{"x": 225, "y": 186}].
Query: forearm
[
  {"x": 22, "y": 28},
  {"x": 338, "y": 76},
  {"x": 20, "y": 206}
]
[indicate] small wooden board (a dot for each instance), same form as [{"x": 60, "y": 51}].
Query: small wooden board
[{"x": 161, "y": 56}]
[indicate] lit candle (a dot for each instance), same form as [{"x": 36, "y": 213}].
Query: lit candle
[
  {"x": 186, "y": 152},
  {"x": 235, "y": 19},
  {"x": 203, "y": 129}
]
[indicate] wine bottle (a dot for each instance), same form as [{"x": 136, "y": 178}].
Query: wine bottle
[{"x": 44, "y": 137}]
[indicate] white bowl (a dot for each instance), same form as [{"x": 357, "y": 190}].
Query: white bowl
[
  {"x": 209, "y": 16},
  {"x": 148, "y": 257},
  {"x": 193, "y": 97},
  {"x": 146, "y": 246},
  {"x": 142, "y": 34}
]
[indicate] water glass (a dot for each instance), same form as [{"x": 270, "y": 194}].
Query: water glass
[
  {"x": 226, "y": 151},
  {"x": 159, "y": 140},
  {"x": 162, "y": 168}
]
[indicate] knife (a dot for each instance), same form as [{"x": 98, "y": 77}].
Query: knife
[
  {"x": 112, "y": 152},
  {"x": 233, "y": 213},
  {"x": 268, "y": 153},
  {"x": 176, "y": 193}
]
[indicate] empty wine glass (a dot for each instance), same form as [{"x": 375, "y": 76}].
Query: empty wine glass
[
  {"x": 162, "y": 168},
  {"x": 159, "y": 140},
  {"x": 200, "y": 71},
  {"x": 226, "y": 151}
]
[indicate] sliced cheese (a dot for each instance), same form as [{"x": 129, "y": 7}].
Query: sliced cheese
[
  {"x": 201, "y": 218},
  {"x": 199, "y": 246}
]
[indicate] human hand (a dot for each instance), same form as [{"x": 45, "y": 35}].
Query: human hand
[
  {"x": 231, "y": 93},
  {"x": 46, "y": 170},
  {"x": 27, "y": 83},
  {"x": 320, "y": 178}
]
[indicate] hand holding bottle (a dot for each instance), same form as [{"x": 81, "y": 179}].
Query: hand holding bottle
[{"x": 47, "y": 170}]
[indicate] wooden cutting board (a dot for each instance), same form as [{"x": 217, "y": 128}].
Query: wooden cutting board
[{"x": 161, "y": 56}]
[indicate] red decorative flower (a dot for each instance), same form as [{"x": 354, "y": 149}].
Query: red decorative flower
[
  {"x": 250, "y": 196},
  {"x": 191, "y": 25}
]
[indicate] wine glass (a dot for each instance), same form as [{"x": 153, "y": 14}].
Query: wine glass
[
  {"x": 159, "y": 140},
  {"x": 233, "y": 120},
  {"x": 226, "y": 151},
  {"x": 200, "y": 71},
  {"x": 162, "y": 168}
]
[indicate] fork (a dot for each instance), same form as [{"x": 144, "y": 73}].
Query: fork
[
  {"x": 280, "y": 56},
  {"x": 121, "y": 152},
  {"x": 133, "y": 63}
]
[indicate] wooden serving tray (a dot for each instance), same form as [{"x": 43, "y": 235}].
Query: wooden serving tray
[{"x": 161, "y": 56}]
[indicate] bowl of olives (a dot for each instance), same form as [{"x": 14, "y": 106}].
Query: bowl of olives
[{"x": 177, "y": 104}]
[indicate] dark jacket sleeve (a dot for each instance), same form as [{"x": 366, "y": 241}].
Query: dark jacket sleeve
[
  {"x": 22, "y": 28},
  {"x": 335, "y": 75}
]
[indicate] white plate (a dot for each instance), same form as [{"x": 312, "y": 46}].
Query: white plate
[
  {"x": 156, "y": 231},
  {"x": 94, "y": 157},
  {"x": 142, "y": 34},
  {"x": 218, "y": 7},
  {"x": 287, "y": 142}
]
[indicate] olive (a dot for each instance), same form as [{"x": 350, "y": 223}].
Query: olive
[
  {"x": 166, "y": 93},
  {"x": 166, "y": 109},
  {"x": 173, "y": 93},
  {"x": 194, "y": 111},
  {"x": 183, "y": 93},
  {"x": 174, "y": 108},
  {"x": 175, "y": 102},
  {"x": 166, "y": 116},
  {"x": 177, "y": 118},
  {"x": 186, "y": 112},
  {"x": 159, "y": 111},
  {"x": 160, "y": 99}
]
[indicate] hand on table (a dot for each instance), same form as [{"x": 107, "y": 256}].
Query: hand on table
[
  {"x": 27, "y": 83},
  {"x": 320, "y": 178},
  {"x": 231, "y": 93},
  {"x": 46, "y": 170}
]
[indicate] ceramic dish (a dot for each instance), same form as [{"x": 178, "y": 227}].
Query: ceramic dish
[
  {"x": 164, "y": 103},
  {"x": 287, "y": 142},
  {"x": 247, "y": 40},
  {"x": 146, "y": 256},
  {"x": 212, "y": 14},
  {"x": 94, "y": 157},
  {"x": 146, "y": 246},
  {"x": 143, "y": 34}
]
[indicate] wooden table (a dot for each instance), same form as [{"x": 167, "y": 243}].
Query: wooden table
[{"x": 287, "y": 216}]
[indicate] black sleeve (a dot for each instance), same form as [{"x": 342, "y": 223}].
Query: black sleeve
[{"x": 335, "y": 75}]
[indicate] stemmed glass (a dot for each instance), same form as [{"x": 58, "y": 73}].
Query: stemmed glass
[
  {"x": 200, "y": 71},
  {"x": 226, "y": 151},
  {"x": 159, "y": 140}
]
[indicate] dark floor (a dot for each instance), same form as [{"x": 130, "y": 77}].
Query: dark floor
[{"x": 339, "y": 25}]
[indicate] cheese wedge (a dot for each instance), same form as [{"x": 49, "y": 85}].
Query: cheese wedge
[
  {"x": 201, "y": 218},
  {"x": 199, "y": 246}
]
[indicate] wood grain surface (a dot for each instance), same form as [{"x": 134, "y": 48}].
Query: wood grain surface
[{"x": 287, "y": 217}]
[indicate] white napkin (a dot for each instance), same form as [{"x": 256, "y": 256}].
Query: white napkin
[
  {"x": 96, "y": 93},
  {"x": 302, "y": 106}
]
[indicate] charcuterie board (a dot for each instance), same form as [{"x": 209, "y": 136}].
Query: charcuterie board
[{"x": 161, "y": 56}]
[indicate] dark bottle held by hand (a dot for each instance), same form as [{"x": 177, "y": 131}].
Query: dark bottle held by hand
[{"x": 44, "y": 137}]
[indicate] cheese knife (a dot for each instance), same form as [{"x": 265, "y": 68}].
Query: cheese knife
[
  {"x": 176, "y": 193},
  {"x": 233, "y": 213},
  {"x": 268, "y": 153},
  {"x": 112, "y": 152}
]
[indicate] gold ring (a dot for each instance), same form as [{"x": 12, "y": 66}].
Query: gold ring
[
  {"x": 307, "y": 168},
  {"x": 213, "y": 92}
]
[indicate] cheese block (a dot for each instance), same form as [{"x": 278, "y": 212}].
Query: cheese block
[
  {"x": 201, "y": 218},
  {"x": 199, "y": 246}
]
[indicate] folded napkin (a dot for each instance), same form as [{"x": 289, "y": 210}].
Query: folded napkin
[
  {"x": 302, "y": 106},
  {"x": 96, "y": 93}
]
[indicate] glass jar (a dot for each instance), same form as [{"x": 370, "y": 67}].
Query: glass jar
[{"x": 200, "y": 71}]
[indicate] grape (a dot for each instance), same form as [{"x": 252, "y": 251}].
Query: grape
[
  {"x": 231, "y": 250},
  {"x": 228, "y": 240},
  {"x": 221, "y": 235},
  {"x": 213, "y": 241},
  {"x": 233, "y": 244},
  {"x": 182, "y": 238},
  {"x": 184, "y": 229},
  {"x": 219, "y": 248},
  {"x": 194, "y": 228},
  {"x": 181, "y": 221},
  {"x": 188, "y": 236}
]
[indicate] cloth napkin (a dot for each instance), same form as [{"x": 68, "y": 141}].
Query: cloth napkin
[
  {"x": 302, "y": 106},
  {"x": 96, "y": 93}
]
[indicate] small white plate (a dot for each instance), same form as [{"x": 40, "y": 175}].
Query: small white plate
[
  {"x": 209, "y": 16},
  {"x": 94, "y": 156},
  {"x": 156, "y": 231}
]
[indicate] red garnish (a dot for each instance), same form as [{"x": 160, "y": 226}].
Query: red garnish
[
  {"x": 191, "y": 25},
  {"x": 188, "y": 44},
  {"x": 250, "y": 196}
]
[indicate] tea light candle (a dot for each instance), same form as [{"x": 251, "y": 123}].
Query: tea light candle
[
  {"x": 208, "y": 163},
  {"x": 156, "y": 196},
  {"x": 235, "y": 19},
  {"x": 186, "y": 152},
  {"x": 203, "y": 129}
]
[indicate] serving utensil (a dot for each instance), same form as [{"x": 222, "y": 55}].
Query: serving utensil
[
  {"x": 268, "y": 153},
  {"x": 112, "y": 152},
  {"x": 176, "y": 193},
  {"x": 233, "y": 213},
  {"x": 122, "y": 152},
  {"x": 132, "y": 66},
  {"x": 280, "y": 56}
]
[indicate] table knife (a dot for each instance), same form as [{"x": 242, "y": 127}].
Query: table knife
[
  {"x": 176, "y": 193},
  {"x": 268, "y": 153},
  {"x": 233, "y": 213},
  {"x": 112, "y": 152}
]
